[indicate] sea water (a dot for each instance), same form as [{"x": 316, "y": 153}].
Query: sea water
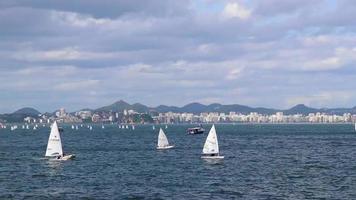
[{"x": 261, "y": 162}]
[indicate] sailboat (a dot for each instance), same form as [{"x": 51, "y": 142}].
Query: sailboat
[
  {"x": 54, "y": 146},
  {"x": 153, "y": 127},
  {"x": 133, "y": 127},
  {"x": 166, "y": 126},
  {"x": 162, "y": 142},
  {"x": 211, "y": 146},
  {"x": 355, "y": 126}
]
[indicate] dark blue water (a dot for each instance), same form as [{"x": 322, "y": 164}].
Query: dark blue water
[{"x": 261, "y": 162}]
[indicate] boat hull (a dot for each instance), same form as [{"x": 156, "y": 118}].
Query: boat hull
[
  {"x": 66, "y": 157},
  {"x": 212, "y": 157},
  {"x": 166, "y": 147}
]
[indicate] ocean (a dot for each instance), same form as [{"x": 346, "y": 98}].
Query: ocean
[{"x": 262, "y": 161}]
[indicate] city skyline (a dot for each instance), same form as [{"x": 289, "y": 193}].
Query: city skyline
[{"x": 273, "y": 54}]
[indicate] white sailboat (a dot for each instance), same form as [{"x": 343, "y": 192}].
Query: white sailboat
[
  {"x": 54, "y": 146},
  {"x": 355, "y": 126},
  {"x": 211, "y": 146},
  {"x": 166, "y": 126},
  {"x": 133, "y": 127},
  {"x": 153, "y": 127},
  {"x": 162, "y": 142},
  {"x": 102, "y": 126}
]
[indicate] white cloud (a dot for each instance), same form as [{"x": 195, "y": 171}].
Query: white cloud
[
  {"x": 322, "y": 99},
  {"x": 76, "y": 85},
  {"x": 77, "y": 20},
  {"x": 233, "y": 9}
]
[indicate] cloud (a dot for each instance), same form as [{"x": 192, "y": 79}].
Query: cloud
[
  {"x": 234, "y": 9},
  {"x": 260, "y": 53},
  {"x": 321, "y": 99},
  {"x": 77, "y": 85}
]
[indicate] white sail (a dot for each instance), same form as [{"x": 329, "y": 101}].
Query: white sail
[
  {"x": 211, "y": 145},
  {"x": 54, "y": 146},
  {"x": 162, "y": 139}
]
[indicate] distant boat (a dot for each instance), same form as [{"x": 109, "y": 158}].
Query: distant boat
[
  {"x": 211, "y": 146},
  {"x": 166, "y": 126},
  {"x": 127, "y": 126},
  {"x": 162, "y": 142},
  {"x": 90, "y": 128},
  {"x": 54, "y": 146},
  {"x": 195, "y": 130},
  {"x": 27, "y": 127},
  {"x": 355, "y": 126},
  {"x": 72, "y": 126},
  {"x": 102, "y": 126},
  {"x": 133, "y": 127},
  {"x": 153, "y": 127},
  {"x": 76, "y": 127}
]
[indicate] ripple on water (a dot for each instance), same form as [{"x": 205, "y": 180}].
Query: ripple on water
[{"x": 261, "y": 162}]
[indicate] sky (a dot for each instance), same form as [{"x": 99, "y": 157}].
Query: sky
[{"x": 91, "y": 53}]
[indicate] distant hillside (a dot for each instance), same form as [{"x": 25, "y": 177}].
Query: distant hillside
[
  {"x": 300, "y": 109},
  {"x": 197, "y": 108},
  {"x": 27, "y": 110},
  {"x": 121, "y": 105},
  {"x": 19, "y": 115}
]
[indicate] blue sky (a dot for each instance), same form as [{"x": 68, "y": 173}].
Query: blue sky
[{"x": 273, "y": 53}]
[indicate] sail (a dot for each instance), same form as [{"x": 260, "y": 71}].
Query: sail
[
  {"x": 211, "y": 145},
  {"x": 162, "y": 139},
  {"x": 54, "y": 146}
]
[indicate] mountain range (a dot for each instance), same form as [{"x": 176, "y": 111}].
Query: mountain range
[{"x": 196, "y": 108}]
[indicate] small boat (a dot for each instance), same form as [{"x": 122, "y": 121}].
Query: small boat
[
  {"x": 211, "y": 146},
  {"x": 195, "y": 130},
  {"x": 54, "y": 146},
  {"x": 153, "y": 127},
  {"x": 127, "y": 126},
  {"x": 72, "y": 126},
  {"x": 162, "y": 142},
  {"x": 355, "y": 126},
  {"x": 102, "y": 126},
  {"x": 76, "y": 127},
  {"x": 166, "y": 126},
  {"x": 133, "y": 127}
]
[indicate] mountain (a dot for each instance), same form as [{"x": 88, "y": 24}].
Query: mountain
[
  {"x": 197, "y": 108},
  {"x": 121, "y": 105},
  {"x": 301, "y": 109},
  {"x": 27, "y": 111},
  {"x": 215, "y": 107},
  {"x": 19, "y": 115},
  {"x": 164, "y": 109}
]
